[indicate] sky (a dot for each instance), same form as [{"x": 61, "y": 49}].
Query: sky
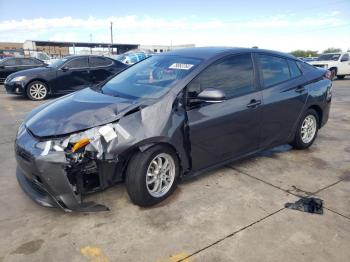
[{"x": 271, "y": 24}]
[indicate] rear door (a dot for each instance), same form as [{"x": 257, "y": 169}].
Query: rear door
[
  {"x": 73, "y": 75},
  {"x": 100, "y": 69},
  {"x": 284, "y": 97},
  {"x": 220, "y": 131}
]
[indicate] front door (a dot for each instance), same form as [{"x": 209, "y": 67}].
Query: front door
[{"x": 221, "y": 131}]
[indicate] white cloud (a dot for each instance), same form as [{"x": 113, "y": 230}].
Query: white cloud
[{"x": 279, "y": 31}]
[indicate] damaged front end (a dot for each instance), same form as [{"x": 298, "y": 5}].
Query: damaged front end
[{"x": 57, "y": 172}]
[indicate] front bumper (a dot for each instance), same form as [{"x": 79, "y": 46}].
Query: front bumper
[
  {"x": 45, "y": 178},
  {"x": 17, "y": 88}
]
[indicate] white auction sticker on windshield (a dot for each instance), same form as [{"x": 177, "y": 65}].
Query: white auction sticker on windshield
[{"x": 181, "y": 66}]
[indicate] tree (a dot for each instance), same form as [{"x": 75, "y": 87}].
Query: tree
[
  {"x": 304, "y": 53},
  {"x": 332, "y": 50}
]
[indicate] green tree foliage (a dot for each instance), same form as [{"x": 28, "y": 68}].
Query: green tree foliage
[
  {"x": 305, "y": 53},
  {"x": 332, "y": 50}
]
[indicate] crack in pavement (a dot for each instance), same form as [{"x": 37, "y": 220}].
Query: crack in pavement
[
  {"x": 289, "y": 192},
  {"x": 262, "y": 219},
  {"x": 337, "y": 213},
  {"x": 230, "y": 235}
]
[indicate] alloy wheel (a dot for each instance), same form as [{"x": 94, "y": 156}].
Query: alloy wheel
[
  {"x": 38, "y": 91},
  {"x": 160, "y": 175},
  {"x": 308, "y": 129}
]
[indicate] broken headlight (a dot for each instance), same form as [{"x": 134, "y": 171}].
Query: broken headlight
[{"x": 90, "y": 139}]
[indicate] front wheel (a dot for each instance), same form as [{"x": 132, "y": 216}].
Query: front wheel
[
  {"x": 152, "y": 175},
  {"x": 37, "y": 91},
  {"x": 307, "y": 130}
]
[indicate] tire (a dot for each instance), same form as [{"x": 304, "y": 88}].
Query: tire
[
  {"x": 138, "y": 182},
  {"x": 37, "y": 90},
  {"x": 303, "y": 138},
  {"x": 340, "y": 77}
]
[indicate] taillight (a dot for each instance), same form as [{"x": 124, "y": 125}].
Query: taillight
[
  {"x": 329, "y": 93},
  {"x": 328, "y": 75}
]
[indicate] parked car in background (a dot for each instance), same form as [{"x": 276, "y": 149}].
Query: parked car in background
[
  {"x": 170, "y": 116},
  {"x": 308, "y": 59},
  {"x": 133, "y": 57},
  {"x": 42, "y": 56},
  {"x": 66, "y": 75},
  {"x": 11, "y": 65},
  {"x": 337, "y": 63}
]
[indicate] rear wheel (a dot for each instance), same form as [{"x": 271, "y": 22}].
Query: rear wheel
[
  {"x": 152, "y": 175},
  {"x": 37, "y": 90},
  {"x": 307, "y": 130}
]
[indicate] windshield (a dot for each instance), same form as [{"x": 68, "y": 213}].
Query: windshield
[
  {"x": 150, "y": 78},
  {"x": 329, "y": 57},
  {"x": 58, "y": 63}
]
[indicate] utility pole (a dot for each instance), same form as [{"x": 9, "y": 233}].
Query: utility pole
[
  {"x": 112, "y": 36},
  {"x": 112, "y": 32}
]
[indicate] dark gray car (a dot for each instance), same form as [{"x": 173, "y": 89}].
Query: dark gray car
[{"x": 170, "y": 116}]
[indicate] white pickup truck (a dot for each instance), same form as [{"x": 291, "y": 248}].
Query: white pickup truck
[{"x": 337, "y": 63}]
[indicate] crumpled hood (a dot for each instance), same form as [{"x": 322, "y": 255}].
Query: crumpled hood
[{"x": 79, "y": 111}]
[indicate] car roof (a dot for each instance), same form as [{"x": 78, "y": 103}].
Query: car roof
[
  {"x": 82, "y": 56},
  {"x": 209, "y": 52}
]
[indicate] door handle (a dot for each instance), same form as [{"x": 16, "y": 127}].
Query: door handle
[
  {"x": 254, "y": 103},
  {"x": 300, "y": 89}
]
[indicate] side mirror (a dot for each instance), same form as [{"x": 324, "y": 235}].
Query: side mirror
[
  {"x": 211, "y": 95},
  {"x": 65, "y": 68}
]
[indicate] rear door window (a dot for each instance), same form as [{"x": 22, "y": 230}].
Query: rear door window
[
  {"x": 274, "y": 70},
  {"x": 77, "y": 63},
  {"x": 233, "y": 75},
  {"x": 100, "y": 61}
]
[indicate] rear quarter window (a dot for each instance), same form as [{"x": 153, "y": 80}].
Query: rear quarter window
[{"x": 294, "y": 69}]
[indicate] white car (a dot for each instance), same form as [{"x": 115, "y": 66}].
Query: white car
[{"x": 337, "y": 63}]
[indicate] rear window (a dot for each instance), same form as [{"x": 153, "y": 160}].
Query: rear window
[{"x": 274, "y": 70}]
